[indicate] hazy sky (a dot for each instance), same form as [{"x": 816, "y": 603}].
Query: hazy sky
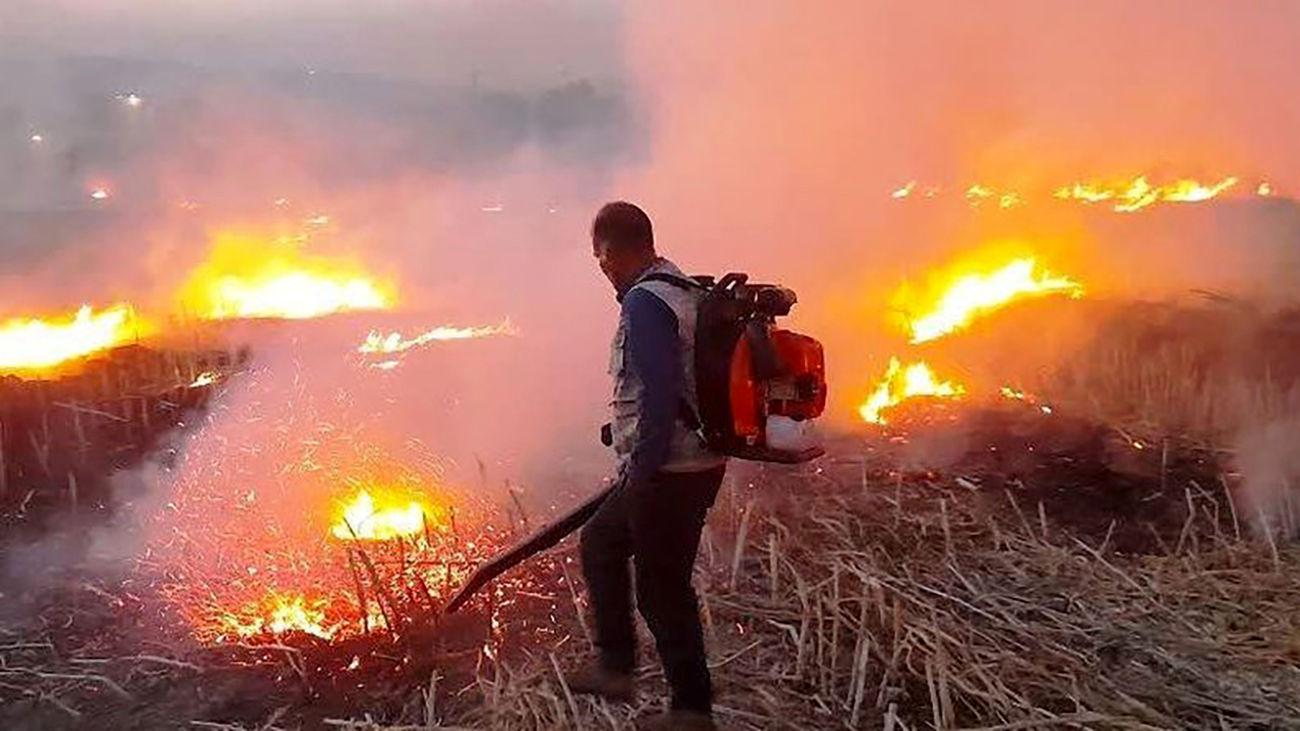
[{"x": 508, "y": 42}]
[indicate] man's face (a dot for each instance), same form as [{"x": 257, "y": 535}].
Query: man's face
[{"x": 613, "y": 263}]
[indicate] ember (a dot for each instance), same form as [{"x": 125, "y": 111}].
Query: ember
[{"x": 1017, "y": 395}]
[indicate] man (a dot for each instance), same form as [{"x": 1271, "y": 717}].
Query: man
[{"x": 668, "y": 479}]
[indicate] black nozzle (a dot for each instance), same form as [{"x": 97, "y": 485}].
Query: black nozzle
[{"x": 775, "y": 301}]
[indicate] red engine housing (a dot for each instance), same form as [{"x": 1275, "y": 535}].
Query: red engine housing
[{"x": 798, "y": 391}]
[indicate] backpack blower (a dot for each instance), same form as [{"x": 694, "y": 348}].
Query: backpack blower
[{"x": 759, "y": 387}]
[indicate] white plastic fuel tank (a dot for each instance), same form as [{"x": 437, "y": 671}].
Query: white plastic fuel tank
[{"x": 786, "y": 434}]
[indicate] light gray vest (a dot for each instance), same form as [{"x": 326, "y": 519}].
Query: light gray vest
[{"x": 688, "y": 452}]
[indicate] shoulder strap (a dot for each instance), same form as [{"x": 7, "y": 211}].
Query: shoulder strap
[
  {"x": 676, "y": 281},
  {"x": 685, "y": 412}
]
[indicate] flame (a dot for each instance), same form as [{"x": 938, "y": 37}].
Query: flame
[
  {"x": 362, "y": 519},
  {"x": 1264, "y": 190},
  {"x": 393, "y": 342},
  {"x": 973, "y": 294},
  {"x": 1017, "y": 395},
  {"x": 1085, "y": 192},
  {"x": 1136, "y": 194},
  {"x": 206, "y": 378},
  {"x": 278, "y": 614},
  {"x": 1190, "y": 191},
  {"x": 35, "y": 344},
  {"x": 900, "y": 384},
  {"x": 978, "y": 193},
  {"x": 1125, "y": 195},
  {"x": 251, "y": 276},
  {"x": 965, "y": 297},
  {"x": 1011, "y": 393}
]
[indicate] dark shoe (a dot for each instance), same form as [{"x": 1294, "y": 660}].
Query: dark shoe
[
  {"x": 595, "y": 680},
  {"x": 679, "y": 721}
]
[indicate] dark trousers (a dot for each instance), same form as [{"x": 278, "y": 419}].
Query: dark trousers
[{"x": 656, "y": 524}]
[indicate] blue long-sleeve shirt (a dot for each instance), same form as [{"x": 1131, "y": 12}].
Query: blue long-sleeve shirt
[{"x": 653, "y": 351}]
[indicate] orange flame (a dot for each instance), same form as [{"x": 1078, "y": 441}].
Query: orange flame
[
  {"x": 971, "y": 295},
  {"x": 38, "y": 344},
  {"x": 365, "y": 520},
  {"x": 900, "y": 384},
  {"x": 248, "y": 276},
  {"x": 965, "y": 297},
  {"x": 278, "y": 614}
]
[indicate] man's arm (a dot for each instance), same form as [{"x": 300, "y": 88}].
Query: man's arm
[{"x": 653, "y": 353}]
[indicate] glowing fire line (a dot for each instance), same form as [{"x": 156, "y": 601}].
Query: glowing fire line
[
  {"x": 1140, "y": 193},
  {"x": 1125, "y": 196}
]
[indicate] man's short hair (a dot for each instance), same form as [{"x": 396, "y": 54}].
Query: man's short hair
[{"x": 623, "y": 225}]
